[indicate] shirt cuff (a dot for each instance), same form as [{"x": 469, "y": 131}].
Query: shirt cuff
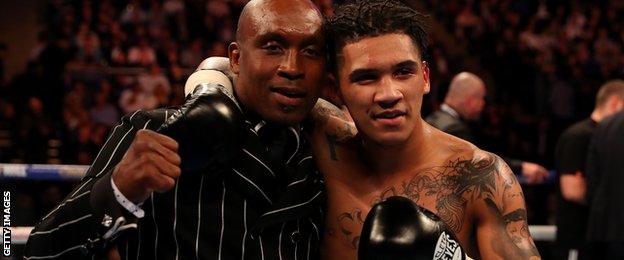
[{"x": 124, "y": 202}]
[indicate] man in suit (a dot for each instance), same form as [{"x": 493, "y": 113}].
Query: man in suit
[
  {"x": 138, "y": 197},
  {"x": 465, "y": 101}
]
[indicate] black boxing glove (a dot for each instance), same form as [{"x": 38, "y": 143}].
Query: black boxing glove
[
  {"x": 399, "y": 229},
  {"x": 208, "y": 128}
]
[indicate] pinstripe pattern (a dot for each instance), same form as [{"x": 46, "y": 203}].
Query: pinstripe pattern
[{"x": 234, "y": 213}]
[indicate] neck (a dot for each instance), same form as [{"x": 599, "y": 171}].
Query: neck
[
  {"x": 392, "y": 159},
  {"x": 598, "y": 115}
]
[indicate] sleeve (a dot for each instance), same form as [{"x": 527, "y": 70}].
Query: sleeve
[
  {"x": 90, "y": 218},
  {"x": 572, "y": 154}
]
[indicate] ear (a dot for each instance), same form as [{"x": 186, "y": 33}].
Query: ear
[
  {"x": 331, "y": 92},
  {"x": 425, "y": 71},
  {"x": 234, "y": 55},
  {"x": 615, "y": 103}
]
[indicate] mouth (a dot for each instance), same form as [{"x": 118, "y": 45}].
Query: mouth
[
  {"x": 389, "y": 114},
  {"x": 288, "y": 96},
  {"x": 390, "y": 117}
]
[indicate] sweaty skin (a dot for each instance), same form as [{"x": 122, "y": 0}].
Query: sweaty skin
[{"x": 473, "y": 191}]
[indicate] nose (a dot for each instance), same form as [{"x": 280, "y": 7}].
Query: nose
[
  {"x": 289, "y": 68},
  {"x": 387, "y": 95}
]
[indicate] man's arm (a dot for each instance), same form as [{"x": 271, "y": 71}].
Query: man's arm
[
  {"x": 85, "y": 222},
  {"x": 573, "y": 186},
  {"x": 502, "y": 229},
  {"x": 331, "y": 125}
]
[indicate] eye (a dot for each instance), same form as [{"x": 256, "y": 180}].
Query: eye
[
  {"x": 312, "y": 51},
  {"x": 272, "y": 48},
  {"x": 404, "y": 73},
  {"x": 365, "y": 79}
]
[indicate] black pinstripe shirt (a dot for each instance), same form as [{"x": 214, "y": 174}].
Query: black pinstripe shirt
[{"x": 240, "y": 212}]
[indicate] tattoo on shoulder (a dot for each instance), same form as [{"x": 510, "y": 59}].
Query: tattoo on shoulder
[{"x": 451, "y": 188}]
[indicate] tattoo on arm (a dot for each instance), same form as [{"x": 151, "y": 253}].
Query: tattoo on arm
[
  {"x": 331, "y": 142},
  {"x": 512, "y": 239}
]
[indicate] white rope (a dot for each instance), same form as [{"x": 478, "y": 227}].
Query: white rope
[{"x": 539, "y": 233}]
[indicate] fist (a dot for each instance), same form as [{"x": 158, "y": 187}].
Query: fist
[{"x": 150, "y": 164}]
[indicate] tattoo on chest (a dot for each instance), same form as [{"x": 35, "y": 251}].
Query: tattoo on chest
[{"x": 448, "y": 188}]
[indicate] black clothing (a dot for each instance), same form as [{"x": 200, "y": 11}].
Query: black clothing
[
  {"x": 239, "y": 212},
  {"x": 450, "y": 124},
  {"x": 605, "y": 182},
  {"x": 570, "y": 156},
  {"x": 455, "y": 126}
]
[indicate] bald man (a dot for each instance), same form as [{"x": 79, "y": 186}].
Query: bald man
[
  {"x": 265, "y": 205},
  {"x": 465, "y": 101}
]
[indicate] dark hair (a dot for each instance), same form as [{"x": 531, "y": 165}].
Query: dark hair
[{"x": 359, "y": 19}]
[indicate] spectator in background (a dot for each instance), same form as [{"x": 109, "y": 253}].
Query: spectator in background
[
  {"x": 142, "y": 54},
  {"x": 35, "y": 129},
  {"x": 192, "y": 55},
  {"x": 570, "y": 155},
  {"x": 131, "y": 99},
  {"x": 153, "y": 78},
  {"x": 104, "y": 112},
  {"x": 605, "y": 179},
  {"x": 464, "y": 102},
  {"x": 8, "y": 131}
]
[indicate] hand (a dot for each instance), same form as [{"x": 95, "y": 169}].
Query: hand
[
  {"x": 151, "y": 164},
  {"x": 573, "y": 187},
  {"x": 533, "y": 173}
]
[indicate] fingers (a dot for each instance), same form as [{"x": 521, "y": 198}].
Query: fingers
[
  {"x": 150, "y": 141},
  {"x": 164, "y": 140},
  {"x": 163, "y": 166},
  {"x": 151, "y": 164},
  {"x": 162, "y": 183}
]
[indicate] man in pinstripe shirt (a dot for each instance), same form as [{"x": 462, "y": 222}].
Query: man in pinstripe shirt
[{"x": 268, "y": 205}]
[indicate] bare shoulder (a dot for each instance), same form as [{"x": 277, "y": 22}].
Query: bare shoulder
[
  {"x": 501, "y": 215},
  {"x": 328, "y": 119}
]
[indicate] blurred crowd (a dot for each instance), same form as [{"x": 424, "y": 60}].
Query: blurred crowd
[
  {"x": 546, "y": 59},
  {"x": 98, "y": 60}
]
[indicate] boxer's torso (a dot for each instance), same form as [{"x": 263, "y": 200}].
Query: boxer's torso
[{"x": 449, "y": 182}]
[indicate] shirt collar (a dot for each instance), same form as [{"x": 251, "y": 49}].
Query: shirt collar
[{"x": 446, "y": 108}]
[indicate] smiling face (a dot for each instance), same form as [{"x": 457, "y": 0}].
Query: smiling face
[
  {"x": 382, "y": 81},
  {"x": 279, "y": 59}
]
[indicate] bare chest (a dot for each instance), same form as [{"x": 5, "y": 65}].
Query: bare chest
[{"x": 435, "y": 190}]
